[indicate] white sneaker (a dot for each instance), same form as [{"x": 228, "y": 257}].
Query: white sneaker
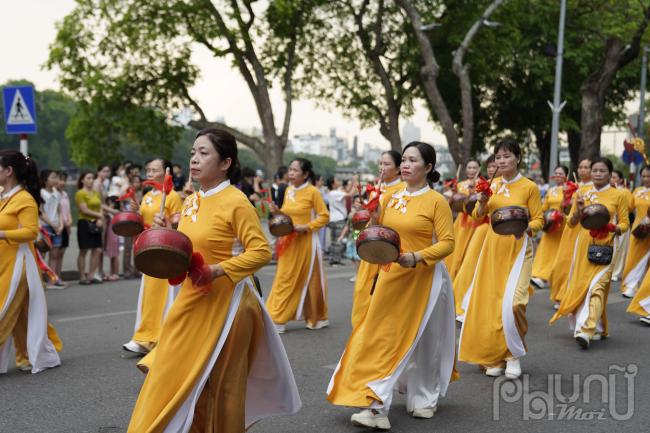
[
  {"x": 134, "y": 347},
  {"x": 367, "y": 418},
  {"x": 352, "y": 279},
  {"x": 629, "y": 293},
  {"x": 556, "y": 306},
  {"x": 25, "y": 367},
  {"x": 541, "y": 284},
  {"x": 582, "y": 339},
  {"x": 513, "y": 368},
  {"x": 425, "y": 412},
  {"x": 494, "y": 371},
  {"x": 319, "y": 325},
  {"x": 597, "y": 337},
  {"x": 280, "y": 328},
  {"x": 645, "y": 320}
]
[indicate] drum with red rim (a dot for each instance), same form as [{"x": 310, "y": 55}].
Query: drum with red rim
[
  {"x": 162, "y": 253},
  {"x": 360, "y": 219},
  {"x": 642, "y": 230},
  {"x": 549, "y": 219},
  {"x": 379, "y": 245},
  {"x": 458, "y": 202},
  {"x": 280, "y": 225},
  {"x": 470, "y": 204},
  {"x": 510, "y": 220},
  {"x": 594, "y": 217},
  {"x": 127, "y": 224}
]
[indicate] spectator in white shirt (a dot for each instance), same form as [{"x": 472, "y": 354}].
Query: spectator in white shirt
[
  {"x": 338, "y": 216},
  {"x": 52, "y": 219}
]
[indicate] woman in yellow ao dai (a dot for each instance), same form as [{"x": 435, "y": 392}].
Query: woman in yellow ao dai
[
  {"x": 407, "y": 336},
  {"x": 299, "y": 289},
  {"x": 219, "y": 365},
  {"x": 23, "y": 308},
  {"x": 464, "y": 226},
  {"x": 390, "y": 183},
  {"x": 550, "y": 241},
  {"x": 156, "y": 296},
  {"x": 586, "y": 294},
  {"x": 495, "y": 319},
  {"x": 638, "y": 254}
]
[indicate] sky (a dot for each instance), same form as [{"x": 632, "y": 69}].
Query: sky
[{"x": 28, "y": 28}]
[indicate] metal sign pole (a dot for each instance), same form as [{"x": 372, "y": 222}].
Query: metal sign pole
[{"x": 23, "y": 145}]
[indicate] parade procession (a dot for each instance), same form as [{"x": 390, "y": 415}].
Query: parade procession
[{"x": 300, "y": 216}]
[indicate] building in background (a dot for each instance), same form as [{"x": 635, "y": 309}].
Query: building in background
[{"x": 410, "y": 132}]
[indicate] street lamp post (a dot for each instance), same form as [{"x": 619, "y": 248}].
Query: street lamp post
[
  {"x": 556, "y": 107},
  {"x": 644, "y": 72}
]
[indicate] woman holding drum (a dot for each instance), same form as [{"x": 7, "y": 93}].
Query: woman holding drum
[
  {"x": 560, "y": 271},
  {"x": 156, "y": 295},
  {"x": 495, "y": 320},
  {"x": 601, "y": 213},
  {"x": 390, "y": 183},
  {"x": 465, "y": 273},
  {"x": 553, "y": 227},
  {"x": 219, "y": 365},
  {"x": 299, "y": 291},
  {"x": 23, "y": 308},
  {"x": 638, "y": 254},
  {"x": 464, "y": 226},
  {"x": 407, "y": 335}
]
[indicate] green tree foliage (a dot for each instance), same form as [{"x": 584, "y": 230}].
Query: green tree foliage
[
  {"x": 49, "y": 146},
  {"x": 323, "y": 165}
]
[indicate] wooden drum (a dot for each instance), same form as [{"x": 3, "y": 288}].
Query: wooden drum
[
  {"x": 360, "y": 219},
  {"x": 549, "y": 219},
  {"x": 458, "y": 202},
  {"x": 509, "y": 220},
  {"x": 280, "y": 225},
  {"x": 594, "y": 217},
  {"x": 379, "y": 245},
  {"x": 470, "y": 204},
  {"x": 162, "y": 253},
  {"x": 128, "y": 224},
  {"x": 642, "y": 230}
]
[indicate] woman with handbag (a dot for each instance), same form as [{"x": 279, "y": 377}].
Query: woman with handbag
[
  {"x": 89, "y": 228},
  {"x": 155, "y": 296},
  {"x": 219, "y": 365},
  {"x": 299, "y": 289},
  {"x": 23, "y": 307},
  {"x": 495, "y": 322},
  {"x": 406, "y": 339},
  {"x": 591, "y": 269}
]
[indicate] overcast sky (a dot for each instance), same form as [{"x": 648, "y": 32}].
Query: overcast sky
[{"x": 28, "y": 28}]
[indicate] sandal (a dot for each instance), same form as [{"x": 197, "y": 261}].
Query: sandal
[
  {"x": 113, "y": 278},
  {"x": 96, "y": 281},
  {"x": 84, "y": 282}
]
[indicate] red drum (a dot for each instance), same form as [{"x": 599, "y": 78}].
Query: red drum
[
  {"x": 549, "y": 219},
  {"x": 379, "y": 245},
  {"x": 642, "y": 230},
  {"x": 458, "y": 202},
  {"x": 470, "y": 204},
  {"x": 128, "y": 224},
  {"x": 360, "y": 219},
  {"x": 594, "y": 217},
  {"x": 280, "y": 225},
  {"x": 162, "y": 253},
  {"x": 509, "y": 220}
]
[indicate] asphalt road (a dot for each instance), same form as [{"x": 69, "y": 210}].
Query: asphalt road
[{"x": 95, "y": 388}]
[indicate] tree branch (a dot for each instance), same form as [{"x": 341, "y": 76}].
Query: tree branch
[
  {"x": 193, "y": 103},
  {"x": 253, "y": 143}
]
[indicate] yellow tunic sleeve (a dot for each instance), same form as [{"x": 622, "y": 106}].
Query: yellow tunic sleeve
[
  {"x": 257, "y": 253},
  {"x": 27, "y": 215},
  {"x": 546, "y": 205},
  {"x": 173, "y": 204},
  {"x": 322, "y": 214},
  {"x": 443, "y": 226},
  {"x": 535, "y": 208},
  {"x": 623, "y": 213}
]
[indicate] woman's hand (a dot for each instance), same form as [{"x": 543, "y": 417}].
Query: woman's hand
[
  {"x": 99, "y": 222},
  {"x": 159, "y": 221},
  {"x": 203, "y": 276},
  {"x": 580, "y": 204},
  {"x": 618, "y": 232},
  {"x": 483, "y": 198},
  {"x": 273, "y": 208},
  {"x": 301, "y": 228},
  {"x": 408, "y": 260},
  {"x": 59, "y": 229}
]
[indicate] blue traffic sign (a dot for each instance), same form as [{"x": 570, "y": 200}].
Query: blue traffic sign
[{"x": 19, "y": 109}]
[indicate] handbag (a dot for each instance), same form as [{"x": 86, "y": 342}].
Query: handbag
[
  {"x": 93, "y": 228},
  {"x": 600, "y": 254}
]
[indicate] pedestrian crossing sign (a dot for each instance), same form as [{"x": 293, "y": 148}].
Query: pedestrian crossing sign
[{"x": 19, "y": 109}]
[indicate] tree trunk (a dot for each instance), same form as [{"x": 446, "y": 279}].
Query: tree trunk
[
  {"x": 543, "y": 140},
  {"x": 574, "y": 150}
]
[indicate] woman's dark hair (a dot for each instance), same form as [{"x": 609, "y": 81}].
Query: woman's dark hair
[
  {"x": 45, "y": 174},
  {"x": 247, "y": 172},
  {"x": 619, "y": 172},
  {"x": 62, "y": 174},
  {"x": 80, "y": 179},
  {"x": 645, "y": 167},
  {"x": 330, "y": 182},
  {"x": 306, "y": 167},
  {"x": 428, "y": 154},
  {"x": 282, "y": 171},
  {"x": 564, "y": 168},
  {"x": 226, "y": 146},
  {"x": 25, "y": 170},
  {"x": 603, "y": 160},
  {"x": 395, "y": 156},
  {"x": 165, "y": 163},
  {"x": 509, "y": 145},
  {"x": 490, "y": 159}
]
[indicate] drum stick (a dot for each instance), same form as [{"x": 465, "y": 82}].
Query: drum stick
[
  {"x": 164, "y": 196},
  {"x": 575, "y": 178}
]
